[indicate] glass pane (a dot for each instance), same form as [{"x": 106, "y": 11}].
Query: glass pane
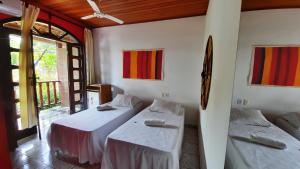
[
  {"x": 76, "y": 75},
  {"x": 77, "y": 86},
  {"x": 57, "y": 32},
  {"x": 19, "y": 124},
  {"x": 77, "y": 97},
  {"x": 75, "y": 63},
  {"x": 18, "y": 108},
  {"x": 41, "y": 27},
  {"x": 69, "y": 38},
  {"x": 75, "y": 51},
  {"x": 13, "y": 25},
  {"x": 78, "y": 107},
  {"x": 35, "y": 32},
  {"x": 17, "y": 92},
  {"x": 14, "y": 41},
  {"x": 14, "y": 58},
  {"x": 15, "y": 75}
]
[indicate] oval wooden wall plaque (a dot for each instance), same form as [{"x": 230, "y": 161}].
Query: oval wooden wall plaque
[{"x": 207, "y": 73}]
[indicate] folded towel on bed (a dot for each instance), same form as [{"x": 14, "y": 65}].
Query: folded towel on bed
[
  {"x": 268, "y": 141},
  {"x": 154, "y": 122},
  {"x": 293, "y": 118},
  {"x": 105, "y": 108}
]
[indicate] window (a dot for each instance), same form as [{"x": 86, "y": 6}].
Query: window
[{"x": 45, "y": 30}]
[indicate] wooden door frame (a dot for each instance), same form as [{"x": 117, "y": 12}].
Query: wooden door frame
[
  {"x": 71, "y": 80},
  {"x": 10, "y": 102},
  {"x": 9, "y": 89}
]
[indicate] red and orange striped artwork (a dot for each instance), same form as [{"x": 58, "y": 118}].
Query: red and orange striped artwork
[
  {"x": 143, "y": 64},
  {"x": 276, "y": 66}
]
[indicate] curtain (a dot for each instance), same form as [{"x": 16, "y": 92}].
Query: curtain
[
  {"x": 28, "y": 111},
  {"x": 89, "y": 52}
]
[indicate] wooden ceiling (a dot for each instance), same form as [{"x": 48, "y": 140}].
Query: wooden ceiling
[{"x": 137, "y": 11}]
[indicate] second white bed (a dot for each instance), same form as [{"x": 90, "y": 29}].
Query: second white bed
[
  {"x": 246, "y": 155},
  {"x": 135, "y": 145}
]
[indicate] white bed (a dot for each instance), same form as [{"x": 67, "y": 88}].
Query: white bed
[
  {"x": 82, "y": 135},
  {"x": 286, "y": 126},
  {"x": 246, "y": 155},
  {"x": 290, "y": 123},
  {"x": 135, "y": 145}
]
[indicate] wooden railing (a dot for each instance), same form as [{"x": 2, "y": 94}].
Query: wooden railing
[{"x": 51, "y": 87}]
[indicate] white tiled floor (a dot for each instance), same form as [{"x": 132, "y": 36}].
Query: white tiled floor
[{"x": 35, "y": 153}]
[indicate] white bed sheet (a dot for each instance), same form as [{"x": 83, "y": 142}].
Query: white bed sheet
[
  {"x": 83, "y": 134},
  {"x": 256, "y": 156},
  {"x": 137, "y": 146},
  {"x": 233, "y": 158},
  {"x": 286, "y": 126}
]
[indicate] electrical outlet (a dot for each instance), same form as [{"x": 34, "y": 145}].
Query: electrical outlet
[
  {"x": 239, "y": 101},
  {"x": 165, "y": 94},
  {"x": 245, "y": 102}
]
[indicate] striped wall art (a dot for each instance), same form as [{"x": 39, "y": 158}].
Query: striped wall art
[
  {"x": 276, "y": 66},
  {"x": 143, "y": 64}
]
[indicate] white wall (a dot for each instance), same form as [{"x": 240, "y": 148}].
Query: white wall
[
  {"x": 222, "y": 22},
  {"x": 267, "y": 27},
  {"x": 182, "y": 42}
]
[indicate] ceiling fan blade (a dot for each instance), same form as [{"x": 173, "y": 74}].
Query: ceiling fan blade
[
  {"x": 94, "y": 6},
  {"x": 113, "y": 18},
  {"x": 87, "y": 17}
]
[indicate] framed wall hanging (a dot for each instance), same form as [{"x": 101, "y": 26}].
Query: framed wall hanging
[
  {"x": 207, "y": 73},
  {"x": 143, "y": 64},
  {"x": 275, "y": 66}
]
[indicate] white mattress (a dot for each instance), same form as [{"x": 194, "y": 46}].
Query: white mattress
[
  {"x": 244, "y": 155},
  {"x": 83, "y": 134},
  {"x": 286, "y": 126},
  {"x": 135, "y": 145}
]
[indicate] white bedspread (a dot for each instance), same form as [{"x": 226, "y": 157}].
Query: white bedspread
[
  {"x": 257, "y": 156},
  {"x": 286, "y": 126},
  {"x": 137, "y": 146},
  {"x": 83, "y": 134}
]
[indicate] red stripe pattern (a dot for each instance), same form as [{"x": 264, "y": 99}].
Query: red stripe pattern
[
  {"x": 283, "y": 66},
  {"x": 143, "y": 66},
  {"x": 126, "y": 62}
]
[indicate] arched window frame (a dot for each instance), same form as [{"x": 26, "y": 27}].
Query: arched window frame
[{"x": 49, "y": 34}]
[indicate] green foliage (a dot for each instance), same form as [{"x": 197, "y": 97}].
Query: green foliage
[
  {"x": 45, "y": 60},
  {"x": 14, "y": 58}
]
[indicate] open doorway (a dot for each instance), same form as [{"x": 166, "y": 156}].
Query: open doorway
[
  {"x": 52, "y": 84},
  {"x": 59, "y": 67}
]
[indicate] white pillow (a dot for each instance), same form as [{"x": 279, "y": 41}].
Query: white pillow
[
  {"x": 125, "y": 101},
  {"x": 165, "y": 107},
  {"x": 249, "y": 117}
]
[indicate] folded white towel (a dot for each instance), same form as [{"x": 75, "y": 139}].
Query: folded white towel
[
  {"x": 154, "y": 122},
  {"x": 268, "y": 141}
]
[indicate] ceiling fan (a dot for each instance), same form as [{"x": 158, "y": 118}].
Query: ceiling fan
[{"x": 98, "y": 14}]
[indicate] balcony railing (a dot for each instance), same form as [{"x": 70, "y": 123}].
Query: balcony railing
[{"x": 48, "y": 94}]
